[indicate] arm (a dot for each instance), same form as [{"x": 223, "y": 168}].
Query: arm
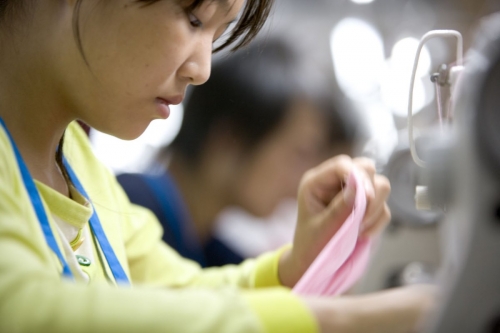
[
  {"x": 34, "y": 298},
  {"x": 389, "y": 311},
  {"x": 323, "y": 207},
  {"x": 272, "y": 310},
  {"x": 400, "y": 310},
  {"x": 153, "y": 262}
]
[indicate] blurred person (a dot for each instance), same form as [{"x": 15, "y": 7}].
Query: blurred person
[
  {"x": 76, "y": 254},
  {"x": 247, "y": 137}
]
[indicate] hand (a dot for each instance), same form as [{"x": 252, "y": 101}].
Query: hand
[
  {"x": 324, "y": 205},
  {"x": 399, "y": 310}
]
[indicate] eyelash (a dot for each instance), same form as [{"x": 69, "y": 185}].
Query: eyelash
[{"x": 194, "y": 21}]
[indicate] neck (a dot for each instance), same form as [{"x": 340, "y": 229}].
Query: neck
[
  {"x": 33, "y": 115},
  {"x": 204, "y": 198}
]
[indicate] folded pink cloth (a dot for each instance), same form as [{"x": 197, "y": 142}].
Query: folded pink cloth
[{"x": 344, "y": 258}]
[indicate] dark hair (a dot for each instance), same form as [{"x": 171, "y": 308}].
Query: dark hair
[
  {"x": 251, "y": 20},
  {"x": 249, "y": 94}
]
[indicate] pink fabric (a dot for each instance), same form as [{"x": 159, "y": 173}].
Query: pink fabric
[{"x": 344, "y": 258}]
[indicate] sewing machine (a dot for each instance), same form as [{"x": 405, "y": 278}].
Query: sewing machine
[{"x": 462, "y": 172}]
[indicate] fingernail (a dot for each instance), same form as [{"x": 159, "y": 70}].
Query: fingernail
[{"x": 349, "y": 192}]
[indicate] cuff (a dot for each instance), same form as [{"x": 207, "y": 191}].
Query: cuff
[
  {"x": 280, "y": 311},
  {"x": 266, "y": 270}
]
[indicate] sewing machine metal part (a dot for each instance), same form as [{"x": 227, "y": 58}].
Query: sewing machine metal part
[
  {"x": 444, "y": 77},
  {"x": 463, "y": 175},
  {"x": 409, "y": 200},
  {"x": 404, "y": 176}
]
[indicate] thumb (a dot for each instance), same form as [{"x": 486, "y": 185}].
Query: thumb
[{"x": 341, "y": 206}]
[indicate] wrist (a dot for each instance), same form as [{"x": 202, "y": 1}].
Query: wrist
[
  {"x": 332, "y": 315},
  {"x": 288, "y": 272},
  {"x": 388, "y": 311}
]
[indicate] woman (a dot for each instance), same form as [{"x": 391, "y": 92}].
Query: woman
[
  {"x": 67, "y": 232},
  {"x": 247, "y": 137}
]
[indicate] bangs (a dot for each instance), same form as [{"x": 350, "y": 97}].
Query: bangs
[{"x": 250, "y": 22}]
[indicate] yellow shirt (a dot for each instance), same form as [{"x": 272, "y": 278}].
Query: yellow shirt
[{"x": 169, "y": 293}]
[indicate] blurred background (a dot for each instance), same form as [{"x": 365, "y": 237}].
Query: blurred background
[{"x": 367, "y": 49}]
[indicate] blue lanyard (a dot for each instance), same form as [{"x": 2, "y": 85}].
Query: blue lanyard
[
  {"x": 98, "y": 231},
  {"x": 95, "y": 224}
]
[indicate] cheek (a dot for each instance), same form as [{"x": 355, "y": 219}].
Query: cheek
[
  {"x": 136, "y": 75},
  {"x": 266, "y": 183},
  {"x": 136, "y": 53},
  {"x": 122, "y": 98}
]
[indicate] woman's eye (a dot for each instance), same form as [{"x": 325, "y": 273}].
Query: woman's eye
[{"x": 195, "y": 22}]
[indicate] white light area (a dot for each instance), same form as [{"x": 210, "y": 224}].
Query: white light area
[
  {"x": 358, "y": 57},
  {"x": 395, "y": 90},
  {"x": 135, "y": 155},
  {"x": 362, "y": 2},
  {"x": 383, "y": 134},
  {"x": 395, "y": 85},
  {"x": 403, "y": 56},
  {"x": 252, "y": 235}
]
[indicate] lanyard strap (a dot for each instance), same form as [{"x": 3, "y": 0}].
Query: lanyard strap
[
  {"x": 36, "y": 201},
  {"x": 95, "y": 224}
]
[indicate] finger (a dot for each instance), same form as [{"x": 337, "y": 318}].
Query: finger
[
  {"x": 375, "y": 217},
  {"x": 340, "y": 207},
  {"x": 379, "y": 223},
  {"x": 368, "y": 171},
  {"x": 368, "y": 165},
  {"x": 324, "y": 181},
  {"x": 376, "y": 203}
]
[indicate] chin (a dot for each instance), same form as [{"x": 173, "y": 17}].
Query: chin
[{"x": 130, "y": 132}]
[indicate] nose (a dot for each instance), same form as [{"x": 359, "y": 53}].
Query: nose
[{"x": 196, "y": 68}]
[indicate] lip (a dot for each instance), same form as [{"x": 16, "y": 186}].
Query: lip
[
  {"x": 164, "y": 105},
  {"x": 172, "y": 100}
]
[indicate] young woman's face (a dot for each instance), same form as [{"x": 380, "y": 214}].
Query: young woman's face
[
  {"x": 274, "y": 169},
  {"x": 140, "y": 57}
]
